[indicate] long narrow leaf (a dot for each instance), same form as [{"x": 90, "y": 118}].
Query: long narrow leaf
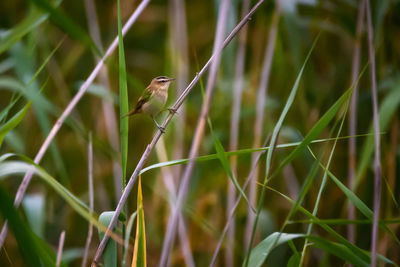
[
  {"x": 139, "y": 252},
  {"x": 221, "y": 154},
  {"x": 235, "y": 153},
  {"x": 260, "y": 253},
  {"x": 123, "y": 98},
  {"x": 386, "y": 111},
  {"x": 66, "y": 23},
  {"x": 33, "y": 20},
  {"x": 13, "y": 122},
  {"x": 33, "y": 251},
  {"x": 361, "y": 206}
]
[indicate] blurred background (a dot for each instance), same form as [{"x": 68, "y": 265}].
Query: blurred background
[{"x": 49, "y": 48}]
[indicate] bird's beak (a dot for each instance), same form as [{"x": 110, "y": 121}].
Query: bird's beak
[{"x": 171, "y": 79}]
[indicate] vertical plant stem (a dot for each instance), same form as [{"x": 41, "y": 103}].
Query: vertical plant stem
[
  {"x": 180, "y": 60},
  {"x": 259, "y": 121},
  {"x": 353, "y": 116},
  {"x": 320, "y": 191},
  {"x": 234, "y": 133},
  {"x": 82, "y": 90},
  {"x": 168, "y": 180},
  {"x": 230, "y": 218},
  {"x": 107, "y": 106},
  {"x": 158, "y": 134},
  {"x": 198, "y": 136},
  {"x": 91, "y": 200},
  {"x": 60, "y": 248},
  {"x": 377, "y": 158}
]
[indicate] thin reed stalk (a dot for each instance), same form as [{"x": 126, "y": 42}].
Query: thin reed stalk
[
  {"x": 60, "y": 248},
  {"x": 234, "y": 132},
  {"x": 259, "y": 121},
  {"x": 198, "y": 135},
  {"x": 180, "y": 61},
  {"x": 320, "y": 191},
  {"x": 107, "y": 106},
  {"x": 91, "y": 200},
  {"x": 167, "y": 120},
  {"x": 355, "y": 69},
  {"x": 168, "y": 179},
  {"x": 230, "y": 218},
  {"x": 377, "y": 141},
  {"x": 82, "y": 90}
]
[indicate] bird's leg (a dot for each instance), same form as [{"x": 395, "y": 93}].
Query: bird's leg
[
  {"x": 171, "y": 110},
  {"x": 162, "y": 129}
]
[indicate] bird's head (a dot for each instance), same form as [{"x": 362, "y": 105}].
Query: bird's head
[{"x": 161, "y": 82}]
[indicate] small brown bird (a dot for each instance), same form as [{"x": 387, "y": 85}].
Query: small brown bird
[{"x": 153, "y": 98}]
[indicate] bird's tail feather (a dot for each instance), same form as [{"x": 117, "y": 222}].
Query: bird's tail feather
[{"x": 133, "y": 112}]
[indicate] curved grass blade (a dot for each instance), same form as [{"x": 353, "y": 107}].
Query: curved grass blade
[
  {"x": 361, "y": 206},
  {"x": 274, "y": 139},
  {"x": 21, "y": 167},
  {"x": 387, "y": 109},
  {"x": 13, "y": 122},
  {"x": 221, "y": 154},
  {"x": 63, "y": 21},
  {"x": 316, "y": 130},
  {"x": 338, "y": 250},
  {"x": 258, "y": 254},
  {"x": 35, "y": 97},
  {"x": 237, "y": 153},
  {"x": 361, "y": 254},
  {"x": 34, "y": 250},
  {"x": 33, "y": 20},
  {"x": 139, "y": 252},
  {"x": 123, "y": 99},
  {"x": 28, "y": 93}
]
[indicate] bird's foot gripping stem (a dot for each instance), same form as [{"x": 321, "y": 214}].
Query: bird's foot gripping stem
[
  {"x": 161, "y": 128},
  {"x": 173, "y": 110}
]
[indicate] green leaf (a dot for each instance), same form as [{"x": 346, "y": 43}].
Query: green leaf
[
  {"x": 19, "y": 167},
  {"x": 33, "y": 20},
  {"x": 316, "y": 130},
  {"x": 260, "y": 253},
  {"x": 34, "y": 206},
  {"x": 225, "y": 163},
  {"x": 338, "y": 250},
  {"x": 34, "y": 96},
  {"x": 361, "y": 206},
  {"x": 294, "y": 260},
  {"x": 123, "y": 99},
  {"x": 274, "y": 138},
  {"x": 387, "y": 109},
  {"x": 235, "y": 153},
  {"x": 103, "y": 93},
  {"x": 110, "y": 251},
  {"x": 34, "y": 250},
  {"x": 139, "y": 252},
  {"x": 361, "y": 254},
  {"x": 13, "y": 122},
  {"x": 284, "y": 113},
  {"x": 63, "y": 21}
]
